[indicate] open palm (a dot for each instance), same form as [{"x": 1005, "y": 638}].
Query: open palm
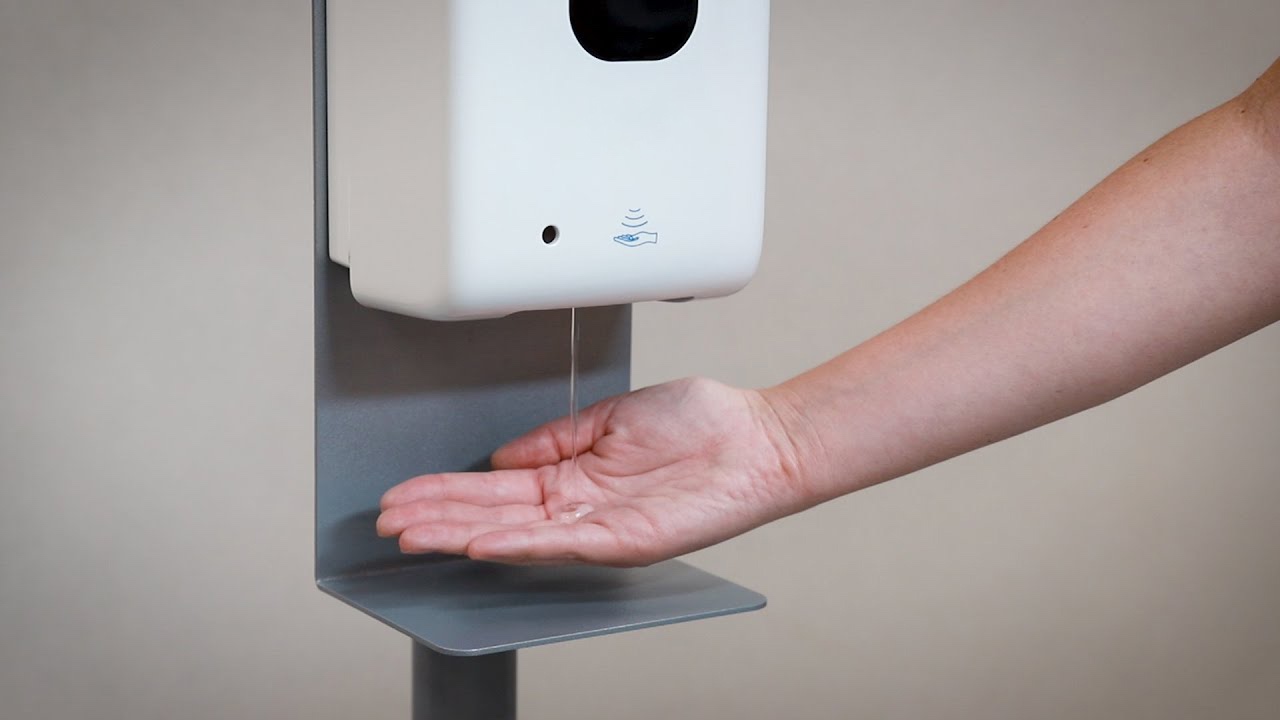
[{"x": 660, "y": 472}]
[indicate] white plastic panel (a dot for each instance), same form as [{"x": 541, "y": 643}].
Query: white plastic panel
[
  {"x": 388, "y": 67},
  {"x": 652, "y": 171}
]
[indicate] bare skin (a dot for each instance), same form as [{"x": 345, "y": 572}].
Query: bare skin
[{"x": 1176, "y": 254}]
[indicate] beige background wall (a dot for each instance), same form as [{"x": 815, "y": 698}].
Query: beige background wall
[{"x": 155, "y": 449}]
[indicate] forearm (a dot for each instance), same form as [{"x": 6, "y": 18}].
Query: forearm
[{"x": 1173, "y": 256}]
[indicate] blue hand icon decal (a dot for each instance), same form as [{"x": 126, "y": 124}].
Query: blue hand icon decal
[
  {"x": 633, "y": 239},
  {"x": 633, "y": 236}
]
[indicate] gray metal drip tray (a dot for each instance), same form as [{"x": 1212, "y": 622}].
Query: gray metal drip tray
[{"x": 461, "y": 607}]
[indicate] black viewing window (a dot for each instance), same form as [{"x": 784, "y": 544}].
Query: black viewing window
[{"x": 631, "y": 30}]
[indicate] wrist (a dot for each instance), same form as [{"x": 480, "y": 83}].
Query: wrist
[{"x": 802, "y": 457}]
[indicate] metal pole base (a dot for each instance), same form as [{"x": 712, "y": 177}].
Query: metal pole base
[{"x": 447, "y": 687}]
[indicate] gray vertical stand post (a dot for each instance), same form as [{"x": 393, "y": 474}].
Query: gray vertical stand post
[
  {"x": 397, "y": 397},
  {"x": 458, "y": 688}
]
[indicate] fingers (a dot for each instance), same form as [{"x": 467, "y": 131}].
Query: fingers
[
  {"x": 553, "y": 442},
  {"x": 398, "y": 518},
  {"x": 551, "y": 544},
  {"x": 450, "y": 538},
  {"x": 491, "y": 489}
]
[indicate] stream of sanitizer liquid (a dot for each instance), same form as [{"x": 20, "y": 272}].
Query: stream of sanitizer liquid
[
  {"x": 574, "y": 512},
  {"x": 573, "y": 385}
]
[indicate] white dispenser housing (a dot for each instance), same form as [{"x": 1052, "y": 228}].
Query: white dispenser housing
[{"x": 493, "y": 156}]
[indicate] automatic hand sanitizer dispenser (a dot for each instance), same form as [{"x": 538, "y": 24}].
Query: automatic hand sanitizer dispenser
[
  {"x": 493, "y": 156},
  {"x": 482, "y": 157}
]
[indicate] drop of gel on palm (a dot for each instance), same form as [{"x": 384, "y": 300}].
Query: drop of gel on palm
[{"x": 573, "y": 513}]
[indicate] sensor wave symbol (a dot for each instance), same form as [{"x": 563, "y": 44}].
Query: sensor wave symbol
[{"x": 634, "y": 236}]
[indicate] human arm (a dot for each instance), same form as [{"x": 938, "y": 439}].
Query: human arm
[{"x": 1174, "y": 255}]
